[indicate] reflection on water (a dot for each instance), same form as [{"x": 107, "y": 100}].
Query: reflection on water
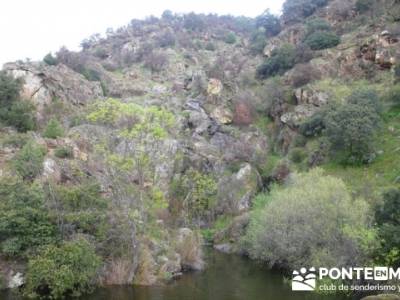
[{"x": 227, "y": 277}]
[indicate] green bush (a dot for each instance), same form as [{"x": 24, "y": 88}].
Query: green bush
[
  {"x": 210, "y": 47},
  {"x": 363, "y": 6},
  {"x": 53, "y": 129},
  {"x": 297, "y": 155},
  {"x": 313, "y": 126},
  {"x": 393, "y": 96},
  {"x": 24, "y": 219},
  {"x": 320, "y": 40},
  {"x": 258, "y": 42},
  {"x": 281, "y": 60},
  {"x": 13, "y": 111},
  {"x": 194, "y": 22},
  {"x": 387, "y": 217},
  {"x": 21, "y": 116},
  {"x": 50, "y": 60},
  {"x": 17, "y": 140},
  {"x": 351, "y": 130},
  {"x": 317, "y": 24},
  {"x": 311, "y": 222},
  {"x": 269, "y": 22},
  {"x": 64, "y": 152},
  {"x": 28, "y": 163},
  {"x": 230, "y": 38},
  {"x": 296, "y": 10},
  {"x": 68, "y": 270}
]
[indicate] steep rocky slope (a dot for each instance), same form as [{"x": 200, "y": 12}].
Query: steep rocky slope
[{"x": 167, "y": 116}]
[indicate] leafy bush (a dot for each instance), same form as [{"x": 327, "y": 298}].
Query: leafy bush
[
  {"x": 311, "y": 222},
  {"x": 351, "y": 129},
  {"x": 156, "y": 61},
  {"x": 21, "y": 116},
  {"x": 194, "y": 22},
  {"x": 296, "y": 10},
  {"x": 320, "y": 40},
  {"x": 303, "y": 74},
  {"x": 53, "y": 129},
  {"x": 313, "y": 126},
  {"x": 9, "y": 89},
  {"x": 387, "y": 215},
  {"x": 317, "y": 24},
  {"x": 258, "y": 42},
  {"x": 64, "y": 152},
  {"x": 50, "y": 60},
  {"x": 393, "y": 96},
  {"x": 366, "y": 97},
  {"x": 210, "y": 47},
  {"x": 29, "y": 161},
  {"x": 166, "y": 40},
  {"x": 68, "y": 270},
  {"x": 24, "y": 220},
  {"x": 363, "y": 6},
  {"x": 230, "y": 38},
  {"x": 297, "y": 155},
  {"x": 281, "y": 60},
  {"x": 270, "y": 23}
]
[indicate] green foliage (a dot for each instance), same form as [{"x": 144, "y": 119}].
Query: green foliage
[
  {"x": 68, "y": 270},
  {"x": 17, "y": 140},
  {"x": 24, "y": 219},
  {"x": 311, "y": 222},
  {"x": 210, "y": 47},
  {"x": 296, "y": 10},
  {"x": 53, "y": 129},
  {"x": 393, "y": 95},
  {"x": 194, "y": 22},
  {"x": 50, "y": 59},
  {"x": 269, "y": 22},
  {"x": 317, "y": 24},
  {"x": 387, "y": 218},
  {"x": 230, "y": 38},
  {"x": 313, "y": 126},
  {"x": 363, "y": 6},
  {"x": 297, "y": 155},
  {"x": 21, "y": 116},
  {"x": 320, "y": 40},
  {"x": 258, "y": 42},
  {"x": 351, "y": 128},
  {"x": 64, "y": 152},
  {"x": 281, "y": 60},
  {"x": 13, "y": 111},
  {"x": 29, "y": 161}
]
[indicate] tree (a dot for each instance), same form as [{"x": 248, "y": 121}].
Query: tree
[
  {"x": 230, "y": 38},
  {"x": 67, "y": 270},
  {"x": 351, "y": 129},
  {"x": 25, "y": 223},
  {"x": 21, "y": 116},
  {"x": 50, "y": 59},
  {"x": 29, "y": 161},
  {"x": 281, "y": 60},
  {"x": 9, "y": 89},
  {"x": 269, "y": 22},
  {"x": 53, "y": 129},
  {"x": 320, "y": 40},
  {"x": 387, "y": 217},
  {"x": 311, "y": 222}
]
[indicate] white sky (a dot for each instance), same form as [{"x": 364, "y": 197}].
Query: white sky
[{"x": 32, "y": 28}]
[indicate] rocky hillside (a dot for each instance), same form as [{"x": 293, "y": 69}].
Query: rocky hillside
[{"x": 157, "y": 137}]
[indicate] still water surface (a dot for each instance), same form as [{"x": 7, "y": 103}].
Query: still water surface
[{"x": 227, "y": 277}]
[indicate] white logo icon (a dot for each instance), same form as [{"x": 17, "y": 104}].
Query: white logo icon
[{"x": 304, "y": 280}]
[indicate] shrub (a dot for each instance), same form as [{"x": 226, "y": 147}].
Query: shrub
[
  {"x": 313, "y": 126},
  {"x": 53, "y": 129},
  {"x": 64, "y": 152},
  {"x": 296, "y": 10},
  {"x": 387, "y": 215},
  {"x": 21, "y": 116},
  {"x": 311, "y": 222},
  {"x": 9, "y": 89},
  {"x": 351, "y": 131},
  {"x": 29, "y": 161},
  {"x": 24, "y": 220},
  {"x": 62, "y": 271},
  {"x": 230, "y": 38},
  {"x": 166, "y": 40},
  {"x": 270, "y": 23},
  {"x": 297, "y": 155},
  {"x": 317, "y": 24},
  {"x": 363, "y": 6},
  {"x": 281, "y": 60},
  {"x": 258, "y": 42},
  {"x": 50, "y": 60},
  {"x": 210, "y": 47},
  {"x": 366, "y": 97},
  {"x": 303, "y": 74},
  {"x": 393, "y": 96},
  {"x": 320, "y": 40},
  {"x": 194, "y": 22}
]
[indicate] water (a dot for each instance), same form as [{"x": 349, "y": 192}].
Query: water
[{"x": 227, "y": 277}]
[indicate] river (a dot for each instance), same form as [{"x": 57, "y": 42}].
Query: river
[{"x": 226, "y": 277}]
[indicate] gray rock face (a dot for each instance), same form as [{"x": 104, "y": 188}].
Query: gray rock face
[{"x": 44, "y": 83}]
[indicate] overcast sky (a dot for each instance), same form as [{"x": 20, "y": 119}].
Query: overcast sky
[{"x": 32, "y": 28}]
